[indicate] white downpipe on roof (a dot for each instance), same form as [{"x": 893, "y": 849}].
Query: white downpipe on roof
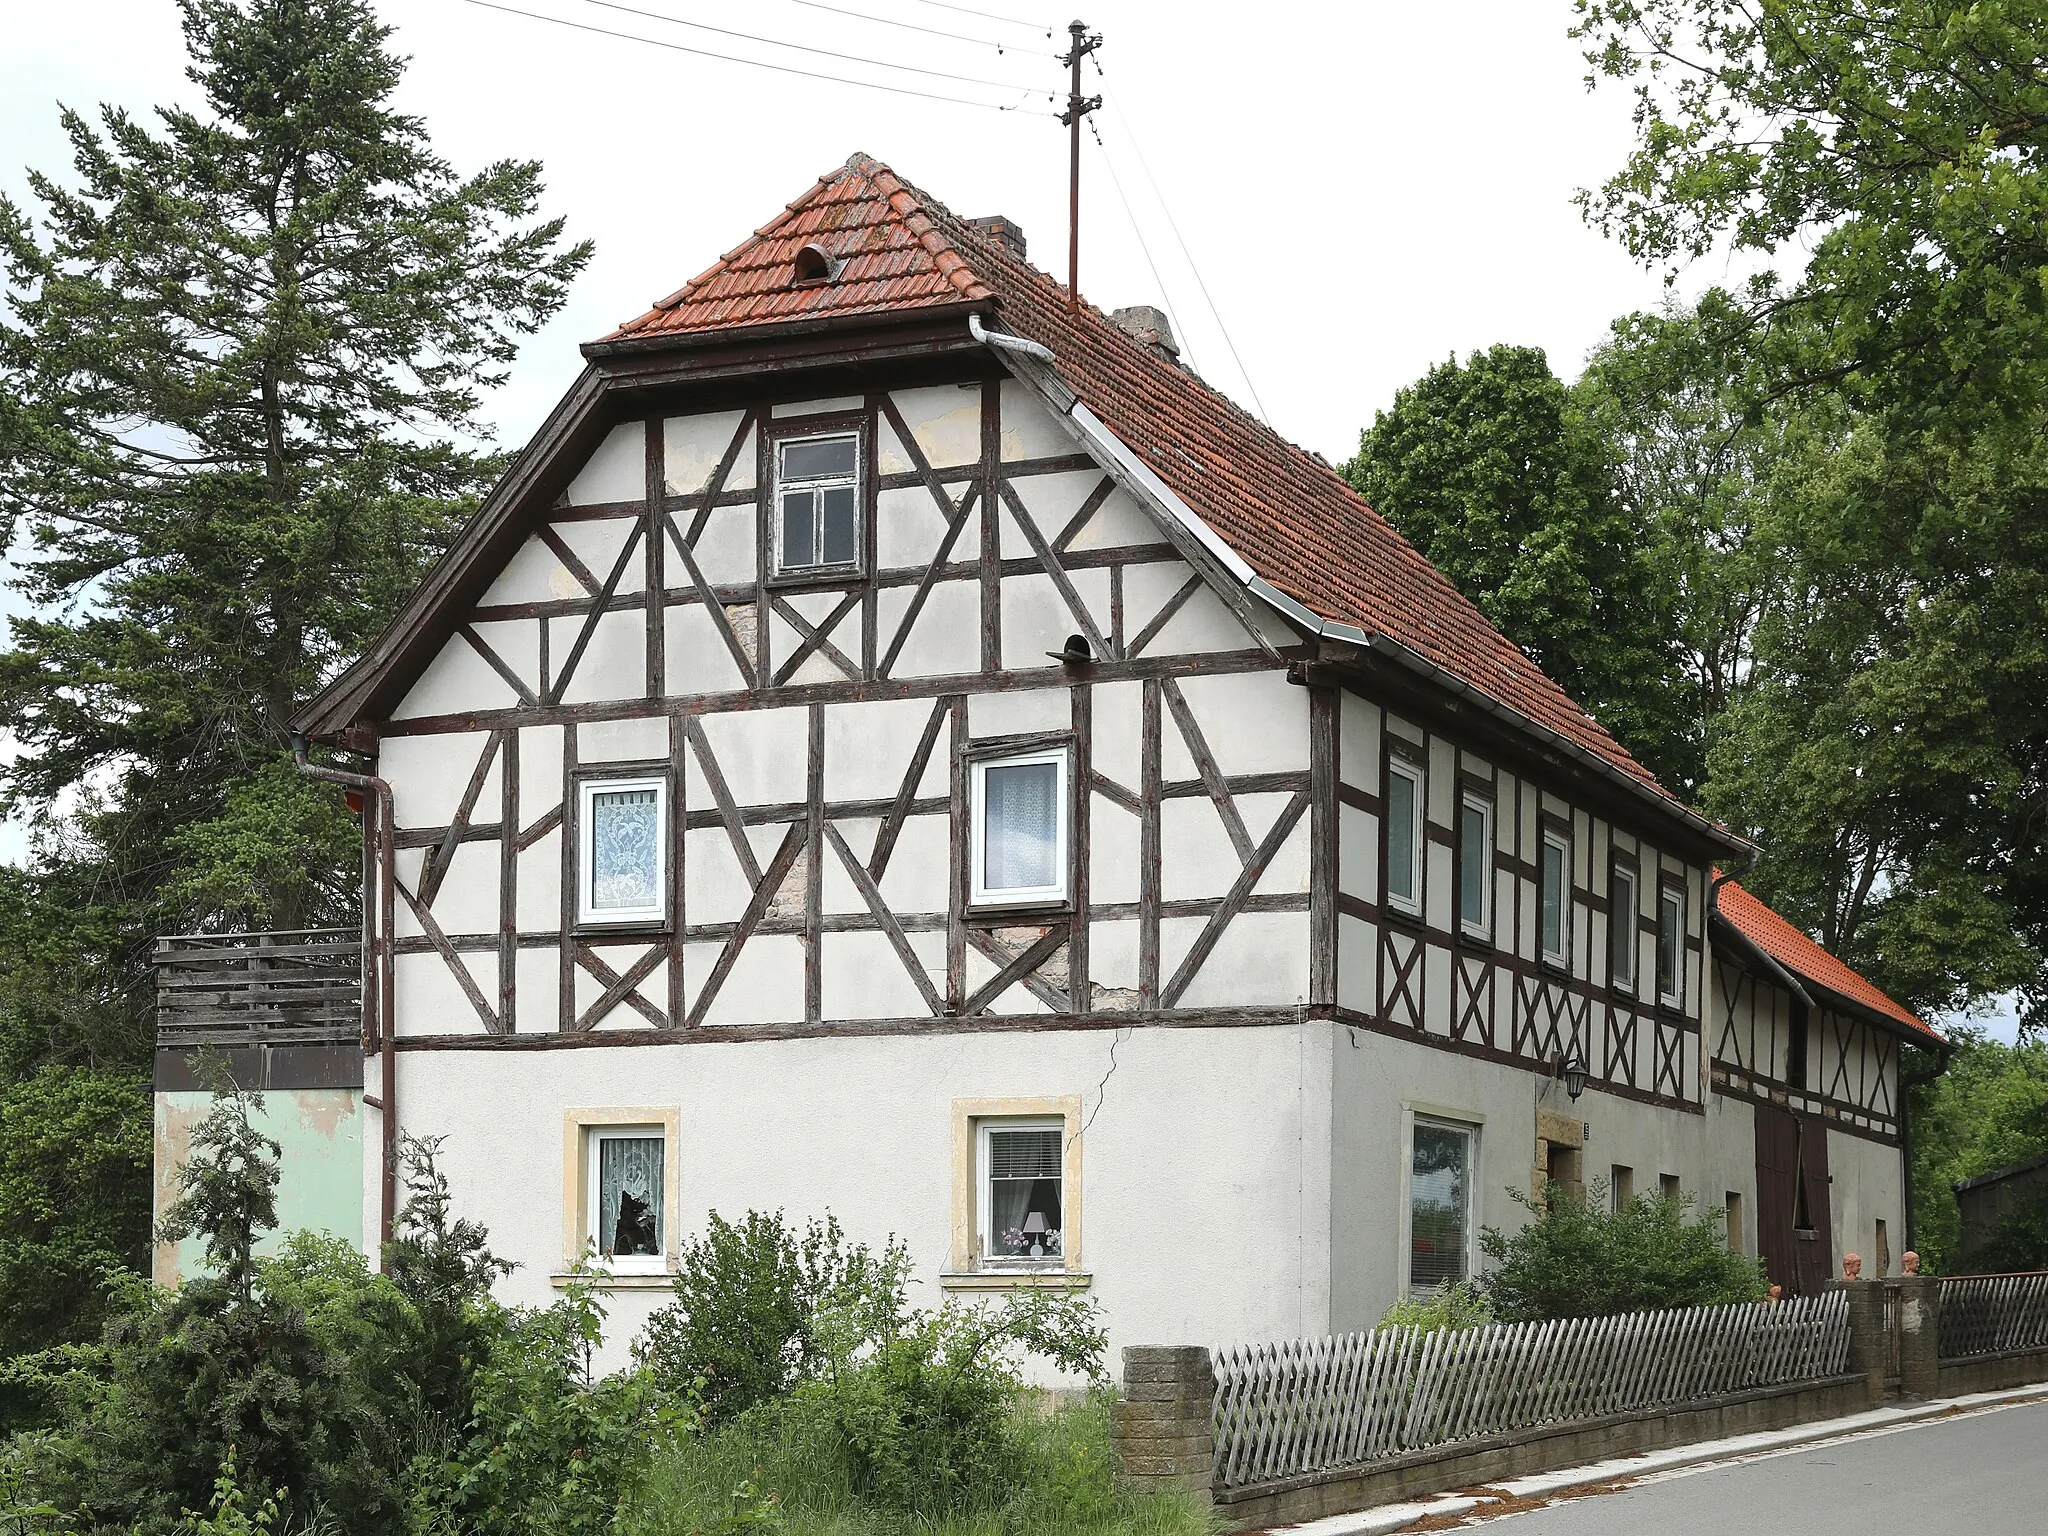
[{"x": 1006, "y": 342}]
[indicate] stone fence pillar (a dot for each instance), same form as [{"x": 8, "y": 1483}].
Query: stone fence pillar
[
  {"x": 1161, "y": 1431},
  {"x": 1919, "y": 1335},
  {"x": 1868, "y": 1346}
]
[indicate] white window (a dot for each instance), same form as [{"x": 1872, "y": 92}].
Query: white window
[
  {"x": 1556, "y": 904},
  {"x": 1621, "y": 928},
  {"x": 626, "y": 1200},
  {"x": 817, "y": 504},
  {"x": 622, "y": 860},
  {"x": 1671, "y": 946},
  {"x": 1020, "y": 829},
  {"x": 1440, "y": 1204},
  {"x": 1475, "y": 865},
  {"x": 1022, "y": 1195},
  {"x": 1404, "y": 836}
]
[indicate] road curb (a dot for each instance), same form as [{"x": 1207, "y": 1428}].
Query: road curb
[{"x": 1388, "y": 1518}]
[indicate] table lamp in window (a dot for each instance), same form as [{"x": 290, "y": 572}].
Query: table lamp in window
[{"x": 1034, "y": 1229}]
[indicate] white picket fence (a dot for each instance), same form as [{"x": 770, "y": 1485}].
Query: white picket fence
[
  {"x": 1310, "y": 1406},
  {"x": 1993, "y": 1314}
]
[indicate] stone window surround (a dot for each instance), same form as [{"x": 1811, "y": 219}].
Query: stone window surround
[
  {"x": 577, "y": 1124},
  {"x": 964, "y": 1271}
]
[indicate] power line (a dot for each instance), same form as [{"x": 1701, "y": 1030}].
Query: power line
[
  {"x": 1131, "y": 214},
  {"x": 908, "y": 26},
  {"x": 772, "y": 42},
  {"x": 1008, "y": 21},
  {"x": 781, "y": 69},
  {"x": 1167, "y": 209}
]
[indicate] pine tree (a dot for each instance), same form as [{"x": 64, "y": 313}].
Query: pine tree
[
  {"x": 243, "y": 348},
  {"x": 249, "y": 343}
]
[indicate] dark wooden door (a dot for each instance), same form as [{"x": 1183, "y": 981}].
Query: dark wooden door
[
  {"x": 1813, "y": 1235},
  {"x": 1777, "y": 1194}
]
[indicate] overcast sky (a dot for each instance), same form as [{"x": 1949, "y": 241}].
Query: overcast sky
[{"x": 1364, "y": 188}]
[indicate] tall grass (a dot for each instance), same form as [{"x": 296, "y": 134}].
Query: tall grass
[{"x": 1063, "y": 1485}]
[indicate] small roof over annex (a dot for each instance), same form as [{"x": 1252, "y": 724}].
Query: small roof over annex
[{"x": 1816, "y": 967}]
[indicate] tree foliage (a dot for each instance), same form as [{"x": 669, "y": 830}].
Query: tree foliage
[
  {"x": 1489, "y": 468},
  {"x": 243, "y": 345},
  {"x": 1987, "y": 1111},
  {"x": 74, "y": 1202},
  {"x": 1896, "y": 155}
]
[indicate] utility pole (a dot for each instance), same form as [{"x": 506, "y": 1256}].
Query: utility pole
[{"x": 1078, "y": 107}]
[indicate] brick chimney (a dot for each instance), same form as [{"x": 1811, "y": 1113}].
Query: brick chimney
[
  {"x": 1149, "y": 327},
  {"x": 1001, "y": 233}
]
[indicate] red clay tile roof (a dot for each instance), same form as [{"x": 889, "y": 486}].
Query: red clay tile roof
[
  {"x": 1290, "y": 516},
  {"x": 886, "y": 254},
  {"x": 1804, "y": 958}
]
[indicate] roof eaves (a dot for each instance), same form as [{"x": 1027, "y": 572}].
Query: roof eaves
[{"x": 729, "y": 335}]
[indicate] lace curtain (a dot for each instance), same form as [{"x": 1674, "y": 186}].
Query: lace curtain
[
  {"x": 629, "y": 1195},
  {"x": 625, "y": 831},
  {"x": 1020, "y": 813}
]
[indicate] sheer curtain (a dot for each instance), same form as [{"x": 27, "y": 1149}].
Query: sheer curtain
[
  {"x": 629, "y": 1195},
  {"x": 1020, "y": 848}
]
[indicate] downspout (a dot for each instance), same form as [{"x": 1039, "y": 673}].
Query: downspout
[
  {"x": 377, "y": 960},
  {"x": 1770, "y": 961},
  {"x": 1004, "y": 342}
]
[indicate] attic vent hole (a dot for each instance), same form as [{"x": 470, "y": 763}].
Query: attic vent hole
[{"x": 813, "y": 265}]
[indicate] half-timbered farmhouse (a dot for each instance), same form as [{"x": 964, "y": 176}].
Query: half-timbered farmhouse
[{"x": 897, "y": 744}]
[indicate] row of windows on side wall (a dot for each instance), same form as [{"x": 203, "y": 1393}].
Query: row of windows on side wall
[
  {"x": 1404, "y": 799},
  {"x": 1019, "y": 806}
]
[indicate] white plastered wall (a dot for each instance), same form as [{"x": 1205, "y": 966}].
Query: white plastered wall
[{"x": 1205, "y": 1192}]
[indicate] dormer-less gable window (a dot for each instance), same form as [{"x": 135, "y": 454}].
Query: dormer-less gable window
[{"x": 817, "y": 504}]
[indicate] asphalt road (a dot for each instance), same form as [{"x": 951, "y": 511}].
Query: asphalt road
[{"x": 1985, "y": 1474}]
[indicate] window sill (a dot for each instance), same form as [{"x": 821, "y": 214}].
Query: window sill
[
  {"x": 631, "y": 1280},
  {"x": 1401, "y": 917},
  {"x": 625, "y": 928},
  {"x": 1016, "y": 1280},
  {"x": 815, "y": 578},
  {"x": 998, "y": 915},
  {"x": 1478, "y": 943}
]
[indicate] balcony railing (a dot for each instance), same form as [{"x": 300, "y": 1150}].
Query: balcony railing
[{"x": 230, "y": 989}]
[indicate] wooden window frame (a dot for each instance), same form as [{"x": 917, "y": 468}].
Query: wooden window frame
[
  {"x": 591, "y": 781},
  {"x": 1553, "y": 834},
  {"x": 982, "y": 756},
  {"x": 1479, "y": 929},
  {"x": 1417, "y": 772},
  {"x": 1671, "y": 890},
  {"x": 1624, "y": 928},
  {"x": 858, "y": 425}
]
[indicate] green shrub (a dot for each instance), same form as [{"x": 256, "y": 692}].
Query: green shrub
[
  {"x": 1456, "y": 1304},
  {"x": 1061, "y": 1483},
  {"x": 926, "y": 1415},
  {"x": 751, "y": 1306},
  {"x": 1577, "y": 1258},
  {"x": 549, "y": 1448}
]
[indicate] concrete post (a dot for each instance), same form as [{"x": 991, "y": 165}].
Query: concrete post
[
  {"x": 1161, "y": 1431},
  {"x": 1868, "y": 1346},
  {"x": 1919, "y": 1335}
]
